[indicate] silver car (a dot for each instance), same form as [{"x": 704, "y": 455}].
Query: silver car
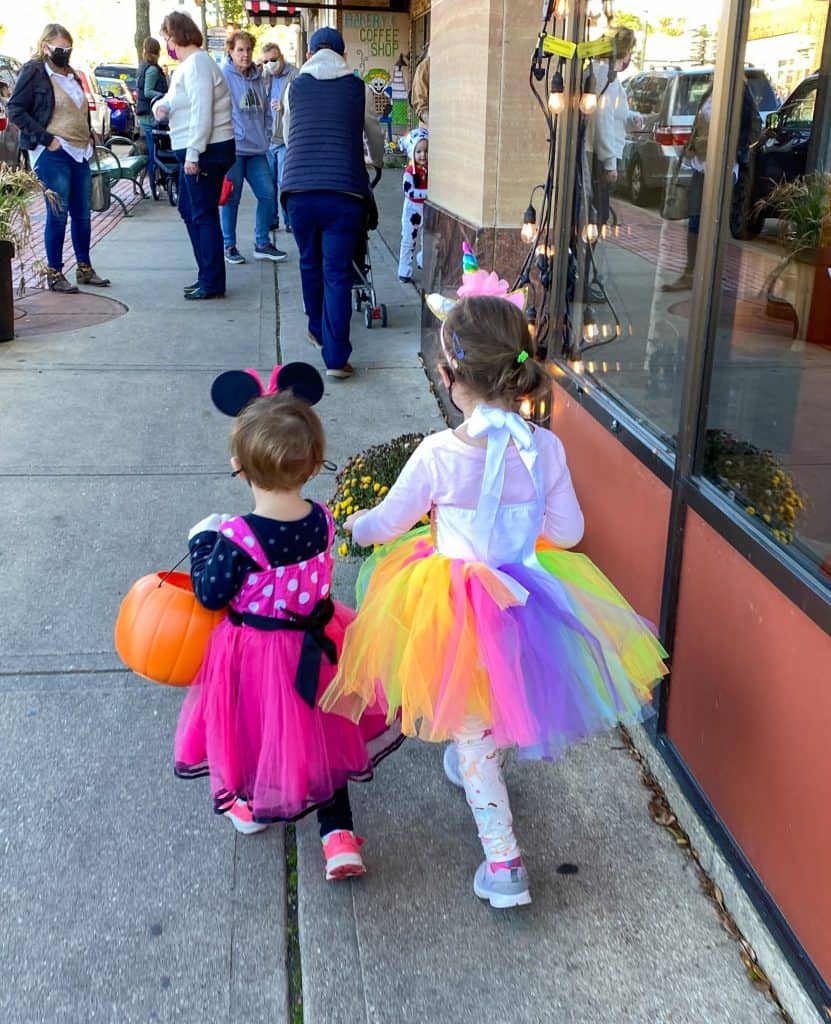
[{"x": 664, "y": 104}]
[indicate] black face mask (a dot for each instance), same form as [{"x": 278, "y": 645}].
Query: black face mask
[{"x": 60, "y": 56}]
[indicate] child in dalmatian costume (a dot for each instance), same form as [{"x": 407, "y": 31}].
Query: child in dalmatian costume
[{"x": 415, "y": 192}]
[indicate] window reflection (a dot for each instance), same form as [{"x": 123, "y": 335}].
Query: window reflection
[
  {"x": 769, "y": 402},
  {"x": 635, "y": 250}
]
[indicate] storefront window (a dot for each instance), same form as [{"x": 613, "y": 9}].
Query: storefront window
[
  {"x": 629, "y": 287},
  {"x": 769, "y": 413}
]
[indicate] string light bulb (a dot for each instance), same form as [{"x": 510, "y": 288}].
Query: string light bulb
[
  {"x": 594, "y": 9},
  {"x": 529, "y": 225},
  {"x": 561, "y": 8},
  {"x": 590, "y": 328},
  {"x": 556, "y": 100},
  {"x": 588, "y": 101}
]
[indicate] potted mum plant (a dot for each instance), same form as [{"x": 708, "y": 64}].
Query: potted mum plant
[
  {"x": 803, "y": 207},
  {"x": 365, "y": 479},
  {"x": 17, "y": 187}
]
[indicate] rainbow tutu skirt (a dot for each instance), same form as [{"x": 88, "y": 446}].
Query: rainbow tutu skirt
[{"x": 447, "y": 639}]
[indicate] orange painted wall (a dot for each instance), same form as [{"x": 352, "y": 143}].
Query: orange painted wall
[
  {"x": 750, "y": 713},
  {"x": 625, "y": 505}
]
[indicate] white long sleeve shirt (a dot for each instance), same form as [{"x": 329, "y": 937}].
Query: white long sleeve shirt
[
  {"x": 199, "y": 105},
  {"x": 447, "y": 475}
]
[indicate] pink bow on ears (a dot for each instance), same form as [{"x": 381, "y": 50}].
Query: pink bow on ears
[{"x": 233, "y": 390}]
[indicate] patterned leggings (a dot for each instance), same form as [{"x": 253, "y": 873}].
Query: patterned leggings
[{"x": 480, "y": 765}]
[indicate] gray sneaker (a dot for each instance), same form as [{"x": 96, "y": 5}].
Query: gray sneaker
[
  {"x": 451, "y": 765},
  {"x": 233, "y": 255},
  {"x": 503, "y": 888},
  {"x": 269, "y": 252}
]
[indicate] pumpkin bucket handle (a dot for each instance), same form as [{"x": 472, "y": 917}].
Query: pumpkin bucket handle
[{"x": 175, "y": 567}]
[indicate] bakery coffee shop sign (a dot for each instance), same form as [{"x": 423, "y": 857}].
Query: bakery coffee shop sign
[{"x": 379, "y": 36}]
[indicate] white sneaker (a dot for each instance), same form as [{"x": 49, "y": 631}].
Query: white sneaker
[
  {"x": 503, "y": 886},
  {"x": 450, "y": 763}
]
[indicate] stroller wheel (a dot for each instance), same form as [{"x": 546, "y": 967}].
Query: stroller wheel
[
  {"x": 368, "y": 317},
  {"x": 154, "y": 184},
  {"x": 173, "y": 191},
  {"x": 358, "y": 302},
  {"x": 383, "y": 310}
]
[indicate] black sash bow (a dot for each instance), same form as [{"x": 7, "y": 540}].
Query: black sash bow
[{"x": 315, "y": 642}]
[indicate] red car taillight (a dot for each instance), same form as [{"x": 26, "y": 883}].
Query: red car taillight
[
  {"x": 666, "y": 135},
  {"x": 117, "y": 104},
  {"x": 4, "y": 119}
]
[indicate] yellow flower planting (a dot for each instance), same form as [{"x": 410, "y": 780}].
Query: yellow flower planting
[
  {"x": 365, "y": 479},
  {"x": 754, "y": 479}
]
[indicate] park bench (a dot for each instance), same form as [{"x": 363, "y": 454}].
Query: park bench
[{"x": 114, "y": 167}]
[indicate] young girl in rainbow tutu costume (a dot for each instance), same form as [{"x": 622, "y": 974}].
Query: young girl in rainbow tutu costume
[
  {"x": 251, "y": 719},
  {"x": 480, "y": 628}
]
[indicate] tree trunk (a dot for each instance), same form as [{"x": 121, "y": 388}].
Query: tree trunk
[
  {"x": 203, "y": 12},
  {"x": 142, "y": 25}
]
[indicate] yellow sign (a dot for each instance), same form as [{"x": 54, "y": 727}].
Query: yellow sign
[
  {"x": 596, "y": 48},
  {"x": 558, "y": 47}
]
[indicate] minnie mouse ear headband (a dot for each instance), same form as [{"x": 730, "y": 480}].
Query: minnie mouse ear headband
[
  {"x": 234, "y": 389},
  {"x": 476, "y": 282}
]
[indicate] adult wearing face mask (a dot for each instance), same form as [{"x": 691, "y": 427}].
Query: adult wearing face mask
[
  {"x": 251, "y": 113},
  {"x": 282, "y": 75},
  {"x": 50, "y": 108},
  {"x": 198, "y": 107}
]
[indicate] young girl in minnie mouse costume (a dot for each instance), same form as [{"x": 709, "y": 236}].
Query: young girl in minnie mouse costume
[
  {"x": 251, "y": 719},
  {"x": 479, "y": 628}
]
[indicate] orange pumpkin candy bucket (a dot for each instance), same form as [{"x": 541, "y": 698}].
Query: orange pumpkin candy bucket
[{"x": 162, "y": 631}]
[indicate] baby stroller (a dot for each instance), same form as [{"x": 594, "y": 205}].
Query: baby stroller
[
  {"x": 363, "y": 289},
  {"x": 166, "y": 171}
]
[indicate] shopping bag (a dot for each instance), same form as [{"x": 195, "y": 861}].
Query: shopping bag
[{"x": 227, "y": 189}]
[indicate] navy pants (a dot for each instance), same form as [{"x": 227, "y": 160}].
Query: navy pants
[
  {"x": 70, "y": 180},
  {"x": 199, "y": 209},
  {"x": 327, "y": 228}
]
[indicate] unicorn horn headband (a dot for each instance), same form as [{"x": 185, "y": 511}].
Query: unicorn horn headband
[{"x": 476, "y": 282}]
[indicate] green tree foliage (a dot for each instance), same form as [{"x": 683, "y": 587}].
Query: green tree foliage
[{"x": 672, "y": 26}]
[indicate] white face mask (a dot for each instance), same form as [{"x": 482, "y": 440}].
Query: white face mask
[{"x": 273, "y": 66}]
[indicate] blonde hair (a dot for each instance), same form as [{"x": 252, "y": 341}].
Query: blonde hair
[
  {"x": 485, "y": 338},
  {"x": 279, "y": 442},
  {"x": 52, "y": 31},
  {"x": 235, "y": 36}
]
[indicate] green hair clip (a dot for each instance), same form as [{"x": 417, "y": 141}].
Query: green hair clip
[{"x": 522, "y": 357}]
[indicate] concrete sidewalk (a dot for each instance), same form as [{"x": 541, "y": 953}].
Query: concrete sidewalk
[{"x": 124, "y": 899}]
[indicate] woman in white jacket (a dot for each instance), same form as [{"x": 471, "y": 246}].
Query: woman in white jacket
[{"x": 198, "y": 106}]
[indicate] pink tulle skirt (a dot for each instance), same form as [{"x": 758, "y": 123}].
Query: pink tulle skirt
[{"x": 244, "y": 724}]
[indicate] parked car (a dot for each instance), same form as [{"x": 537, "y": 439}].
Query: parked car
[
  {"x": 10, "y": 151},
  {"x": 127, "y": 73},
  {"x": 122, "y": 106},
  {"x": 99, "y": 113},
  {"x": 780, "y": 154},
  {"x": 664, "y": 104}
]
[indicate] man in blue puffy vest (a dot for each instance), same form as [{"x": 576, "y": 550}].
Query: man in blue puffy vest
[{"x": 325, "y": 187}]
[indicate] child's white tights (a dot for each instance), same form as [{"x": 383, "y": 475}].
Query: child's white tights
[{"x": 480, "y": 765}]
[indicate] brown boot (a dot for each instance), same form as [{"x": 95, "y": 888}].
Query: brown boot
[
  {"x": 84, "y": 274},
  {"x": 56, "y": 282}
]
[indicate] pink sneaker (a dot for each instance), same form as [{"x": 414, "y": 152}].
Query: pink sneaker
[
  {"x": 243, "y": 820},
  {"x": 342, "y": 851}
]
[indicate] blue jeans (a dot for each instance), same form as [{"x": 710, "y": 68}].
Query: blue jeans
[
  {"x": 276, "y": 161},
  {"x": 199, "y": 209},
  {"x": 71, "y": 181},
  {"x": 254, "y": 170},
  {"x": 147, "y": 128},
  {"x": 327, "y": 228}
]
